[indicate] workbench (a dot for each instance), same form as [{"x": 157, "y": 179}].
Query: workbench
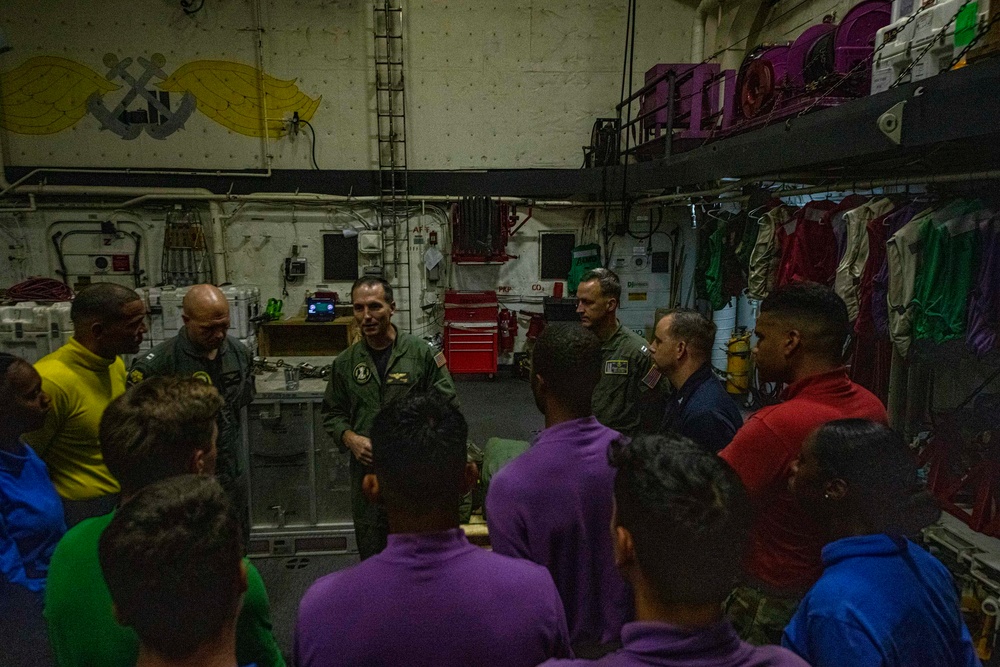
[
  {"x": 300, "y": 483},
  {"x": 299, "y": 477}
]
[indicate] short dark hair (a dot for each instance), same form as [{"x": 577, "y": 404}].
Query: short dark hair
[
  {"x": 419, "y": 446},
  {"x": 611, "y": 285},
  {"x": 568, "y": 357},
  {"x": 817, "y": 308},
  {"x": 151, "y": 431},
  {"x": 693, "y": 328},
  {"x": 171, "y": 559},
  {"x": 7, "y": 361},
  {"x": 101, "y": 301},
  {"x": 688, "y": 513},
  {"x": 881, "y": 475},
  {"x": 372, "y": 281}
]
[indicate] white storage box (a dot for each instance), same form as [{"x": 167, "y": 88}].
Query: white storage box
[
  {"x": 933, "y": 45},
  {"x": 894, "y": 57},
  {"x": 31, "y": 331},
  {"x": 244, "y": 305}
]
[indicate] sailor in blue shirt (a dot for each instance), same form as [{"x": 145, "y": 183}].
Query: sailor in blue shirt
[
  {"x": 882, "y": 600},
  {"x": 700, "y": 408},
  {"x": 31, "y": 516}
]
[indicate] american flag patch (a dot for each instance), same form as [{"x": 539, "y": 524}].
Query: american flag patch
[
  {"x": 652, "y": 377},
  {"x": 439, "y": 359}
]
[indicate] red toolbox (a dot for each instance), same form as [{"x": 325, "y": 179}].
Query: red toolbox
[
  {"x": 471, "y": 331},
  {"x": 470, "y": 306}
]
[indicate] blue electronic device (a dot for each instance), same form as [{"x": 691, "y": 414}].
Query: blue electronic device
[{"x": 320, "y": 309}]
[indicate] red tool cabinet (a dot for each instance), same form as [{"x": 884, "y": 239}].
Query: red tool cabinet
[{"x": 471, "y": 332}]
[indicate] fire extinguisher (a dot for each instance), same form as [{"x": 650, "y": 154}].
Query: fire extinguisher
[{"x": 508, "y": 329}]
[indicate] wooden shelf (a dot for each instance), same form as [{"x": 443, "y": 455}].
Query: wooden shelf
[{"x": 298, "y": 338}]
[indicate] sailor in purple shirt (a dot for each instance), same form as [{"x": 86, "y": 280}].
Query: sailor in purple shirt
[
  {"x": 430, "y": 598},
  {"x": 681, "y": 525},
  {"x": 984, "y": 301},
  {"x": 552, "y": 504}
]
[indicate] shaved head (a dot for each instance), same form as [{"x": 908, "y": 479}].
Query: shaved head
[
  {"x": 204, "y": 300},
  {"x": 206, "y": 316}
]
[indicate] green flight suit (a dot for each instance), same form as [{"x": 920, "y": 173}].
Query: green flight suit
[
  {"x": 231, "y": 372},
  {"x": 355, "y": 394},
  {"x": 629, "y": 395}
]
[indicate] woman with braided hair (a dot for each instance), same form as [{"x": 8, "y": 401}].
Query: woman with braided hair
[{"x": 31, "y": 516}]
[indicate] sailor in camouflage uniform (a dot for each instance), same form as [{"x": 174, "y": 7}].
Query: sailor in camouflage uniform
[
  {"x": 384, "y": 365},
  {"x": 203, "y": 349}
]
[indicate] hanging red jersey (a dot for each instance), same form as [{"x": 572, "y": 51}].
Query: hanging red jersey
[{"x": 808, "y": 246}]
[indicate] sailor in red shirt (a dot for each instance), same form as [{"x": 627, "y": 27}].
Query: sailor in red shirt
[{"x": 801, "y": 331}]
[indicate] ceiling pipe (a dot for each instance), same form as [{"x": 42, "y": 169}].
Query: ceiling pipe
[
  {"x": 713, "y": 192},
  {"x": 220, "y": 268},
  {"x": 698, "y": 29},
  {"x": 258, "y": 26},
  {"x": 30, "y": 208},
  {"x": 847, "y": 186},
  {"x": 144, "y": 195},
  {"x": 6, "y": 187}
]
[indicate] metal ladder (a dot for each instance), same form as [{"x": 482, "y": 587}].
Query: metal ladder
[{"x": 390, "y": 100}]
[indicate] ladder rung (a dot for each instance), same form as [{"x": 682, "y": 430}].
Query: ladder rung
[{"x": 389, "y": 62}]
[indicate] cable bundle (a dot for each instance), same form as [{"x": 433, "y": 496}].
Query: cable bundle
[{"x": 40, "y": 289}]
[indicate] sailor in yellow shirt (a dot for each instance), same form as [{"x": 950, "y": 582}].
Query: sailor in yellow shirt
[{"x": 82, "y": 378}]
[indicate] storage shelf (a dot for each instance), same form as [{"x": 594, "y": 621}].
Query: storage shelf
[
  {"x": 946, "y": 122},
  {"x": 296, "y": 337}
]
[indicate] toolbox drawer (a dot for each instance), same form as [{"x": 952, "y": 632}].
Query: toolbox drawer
[{"x": 471, "y": 349}]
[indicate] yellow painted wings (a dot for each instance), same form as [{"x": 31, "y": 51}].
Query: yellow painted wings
[
  {"x": 229, "y": 94},
  {"x": 47, "y": 94}
]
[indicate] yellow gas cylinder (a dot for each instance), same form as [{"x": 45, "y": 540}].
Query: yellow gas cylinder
[{"x": 738, "y": 362}]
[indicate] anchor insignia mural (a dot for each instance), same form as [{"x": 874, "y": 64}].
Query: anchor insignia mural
[{"x": 49, "y": 94}]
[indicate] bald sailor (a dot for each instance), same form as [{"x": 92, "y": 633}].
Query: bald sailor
[{"x": 204, "y": 349}]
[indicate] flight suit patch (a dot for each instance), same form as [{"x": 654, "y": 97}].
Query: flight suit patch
[
  {"x": 397, "y": 378},
  {"x": 652, "y": 377},
  {"x": 616, "y": 367},
  {"x": 362, "y": 373}
]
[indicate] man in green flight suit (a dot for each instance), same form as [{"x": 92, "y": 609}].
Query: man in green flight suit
[
  {"x": 628, "y": 397},
  {"x": 203, "y": 349},
  {"x": 385, "y": 365}
]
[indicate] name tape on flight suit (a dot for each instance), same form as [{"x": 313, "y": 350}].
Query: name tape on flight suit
[{"x": 616, "y": 367}]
